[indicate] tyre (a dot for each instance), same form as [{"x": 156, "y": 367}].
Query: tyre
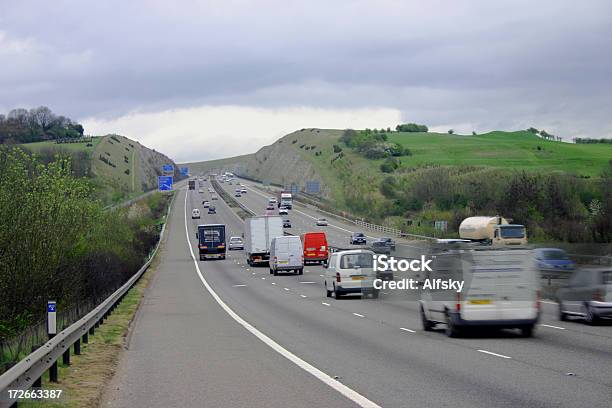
[
  {"x": 589, "y": 316},
  {"x": 562, "y": 314},
  {"x": 275, "y": 272},
  {"x": 527, "y": 331},
  {"x": 451, "y": 329},
  {"x": 374, "y": 293},
  {"x": 428, "y": 325},
  {"x": 337, "y": 294},
  {"x": 328, "y": 293},
  {"x": 271, "y": 271},
  {"x": 300, "y": 271}
]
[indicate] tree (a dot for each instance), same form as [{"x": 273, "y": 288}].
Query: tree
[
  {"x": 533, "y": 130},
  {"x": 411, "y": 127},
  {"x": 451, "y": 131}
]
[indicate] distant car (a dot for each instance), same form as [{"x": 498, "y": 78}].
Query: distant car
[
  {"x": 552, "y": 260},
  {"x": 236, "y": 243},
  {"x": 237, "y": 194},
  {"x": 283, "y": 211},
  {"x": 205, "y": 204},
  {"x": 381, "y": 247},
  {"x": 195, "y": 213},
  {"x": 358, "y": 238},
  {"x": 214, "y": 197},
  {"x": 286, "y": 223},
  {"x": 272, "y": 200},
  {"x": 200, "y": 191},
  {"x": 269, "y": 207},
  {"x": 587, "y": 294},
  {"x": 389, "y": 242},
  {"x": 321, "y": 222},
  {"x": 212, "y": 209},
  {"x": 243, "y": 191},
  {"x": 211, "y": 190}
]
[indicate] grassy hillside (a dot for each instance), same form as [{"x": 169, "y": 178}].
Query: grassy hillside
[
  {"x": 121, "y": 168},
  {"x": 558, "y": 189}
]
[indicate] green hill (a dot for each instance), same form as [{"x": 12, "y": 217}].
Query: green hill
[
  {"x": 557, "y": 188},
  {"x": 121, "y": 168}
]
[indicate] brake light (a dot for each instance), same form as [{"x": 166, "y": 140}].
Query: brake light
[
  {"x": 598, "y": 296},
  {"x": 458, "y": 304},
  {"x": 337, "y": 276}
]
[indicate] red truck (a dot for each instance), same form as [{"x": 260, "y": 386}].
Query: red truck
[{"x": 315, "y": 247}]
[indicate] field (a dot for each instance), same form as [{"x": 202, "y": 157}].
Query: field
[
  {"x": 516, "y": 150},
  {"x": 50, "y": 144}
]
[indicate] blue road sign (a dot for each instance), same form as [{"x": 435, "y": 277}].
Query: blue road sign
[
  {"x": 51, "y": 307},
  {"x": 164, "y": 183},
  {"x": 168, "y": 168},
  {"x": 184, "y": 171},
  {"x": 313, "y": 187}
]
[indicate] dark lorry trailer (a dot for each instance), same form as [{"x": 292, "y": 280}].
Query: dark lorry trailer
[
  {"x": 192, "y": 184},
  {"x": 211, "y": 241}
]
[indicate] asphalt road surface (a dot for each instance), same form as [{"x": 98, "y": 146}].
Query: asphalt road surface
[{"x": 226, "y": 334}]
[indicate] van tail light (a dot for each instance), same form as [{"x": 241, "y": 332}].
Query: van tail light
[
  {"x": 337, "y": 276},
  {"x": 598, "y": 296},
  {"x": 538, "y": 304},
  {"x": 458, "y": 304}
]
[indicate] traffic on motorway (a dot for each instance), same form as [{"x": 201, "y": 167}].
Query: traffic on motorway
[{"x": 312, "y": 275}]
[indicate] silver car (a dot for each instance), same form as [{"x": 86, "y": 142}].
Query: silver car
[
  {"x": 587, "y": 294},
  {"x": 236, "y": 243}
]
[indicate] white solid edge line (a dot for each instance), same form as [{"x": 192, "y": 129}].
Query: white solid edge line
[
  {"x": 552, "y": 327},
  {"x": 493, "y": 354},
  {"x": 325, "y": 378},
  {"x": 408, "y": 330},
  {"x": 238, "y": 286}
]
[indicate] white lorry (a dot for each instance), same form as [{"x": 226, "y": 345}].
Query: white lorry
[
  {"x": 258, "y": 234},
  {"x": 493, "y": 231}
]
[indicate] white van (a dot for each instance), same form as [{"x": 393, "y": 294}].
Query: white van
[
  {"x": 286, "y": 254},
  {"x": 501, "y": 290},
  {"x": 195, "y": 213},
  {"x": 350, "y": 272}
]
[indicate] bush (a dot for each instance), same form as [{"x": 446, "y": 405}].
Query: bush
[
  {"x": 390, "y": 165},
  {"x": 337, "y": 149},
  {"x": 411, "y": 127},
  {"x": 451, "y": 131}
]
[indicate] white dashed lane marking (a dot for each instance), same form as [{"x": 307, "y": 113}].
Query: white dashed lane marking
[{"x": 493, "y": 354}]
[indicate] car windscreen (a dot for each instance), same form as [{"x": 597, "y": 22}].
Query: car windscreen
[
  {"x": 359, "y": 235},
  {"x": 512, "y": 232},
  {"x": 554, "y": 254},
  {"x": 362, "y": 260}
]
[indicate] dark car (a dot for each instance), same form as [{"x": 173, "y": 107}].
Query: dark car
[
  {"x": 389, "y": 242},
  {"x": 381, "y": 247},
  {"x": 287, "y": 223},
  {"x": 358, "y": 238},
  {"x": 212, "y": 210}
]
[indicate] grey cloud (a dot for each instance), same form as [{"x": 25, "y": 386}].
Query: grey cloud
[{"x": 491, "y": 64}]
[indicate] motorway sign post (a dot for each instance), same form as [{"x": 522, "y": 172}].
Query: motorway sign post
[
  {"x": 168, "y": 169},
  {"x": 164, "y": 183}
]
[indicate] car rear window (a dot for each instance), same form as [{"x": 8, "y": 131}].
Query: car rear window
[
  {"x": 351, "y": 261},
  {"x": 606, "y": 277}
]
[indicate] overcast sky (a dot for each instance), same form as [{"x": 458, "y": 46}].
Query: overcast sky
[{"x": 208, "y": 79}]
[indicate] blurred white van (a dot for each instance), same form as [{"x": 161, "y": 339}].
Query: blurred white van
[{"x": 501, "y": 290}]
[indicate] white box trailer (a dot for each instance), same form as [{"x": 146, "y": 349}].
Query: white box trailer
[{"x": 258, "y": 234}]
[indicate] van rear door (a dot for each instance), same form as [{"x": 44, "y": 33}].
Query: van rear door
[{"x": 503, "y": 286}]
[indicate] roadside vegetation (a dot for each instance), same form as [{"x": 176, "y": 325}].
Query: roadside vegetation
[
  {"x": 37, "y": 124},
  {"x": 58, "y": 243}
]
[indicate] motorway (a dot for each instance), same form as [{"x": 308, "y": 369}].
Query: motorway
[{"x": 219, "y": 333}]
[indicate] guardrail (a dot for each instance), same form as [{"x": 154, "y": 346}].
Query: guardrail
[
  {"x": 228, "y": 198},
  {"x": 28, "y": 372}
]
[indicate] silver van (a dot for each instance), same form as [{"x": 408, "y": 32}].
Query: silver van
[
  {"x": 587, "y": 294},
  {"x": 286, "y": 254}
]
